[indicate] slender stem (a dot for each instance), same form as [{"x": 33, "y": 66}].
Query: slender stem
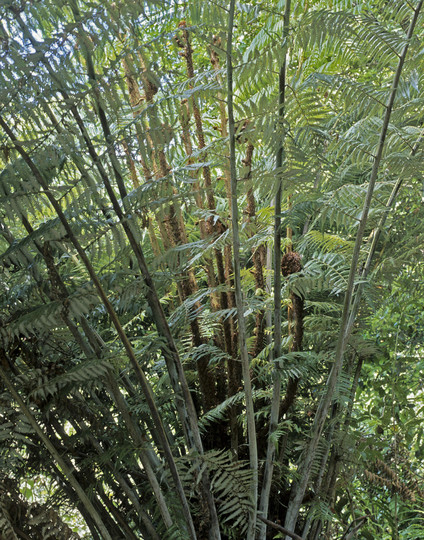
[
  {"x": 251, "y": 428},
  {"x": 299, "y": 488},
  {"x": 275, "y": 403}
]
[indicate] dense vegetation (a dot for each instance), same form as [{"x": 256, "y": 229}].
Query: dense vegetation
[{"x": 212, "y": 290}]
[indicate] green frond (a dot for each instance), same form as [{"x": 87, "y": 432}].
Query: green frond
[
  {"x": 323, "y": 271},
  {"x": 328, "y": 243},
  {"x": 82, "y": 375},
  {"x": 220, "y": 411}
]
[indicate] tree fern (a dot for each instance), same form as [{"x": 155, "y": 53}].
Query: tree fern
[{"x": 135, "y": 227}]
